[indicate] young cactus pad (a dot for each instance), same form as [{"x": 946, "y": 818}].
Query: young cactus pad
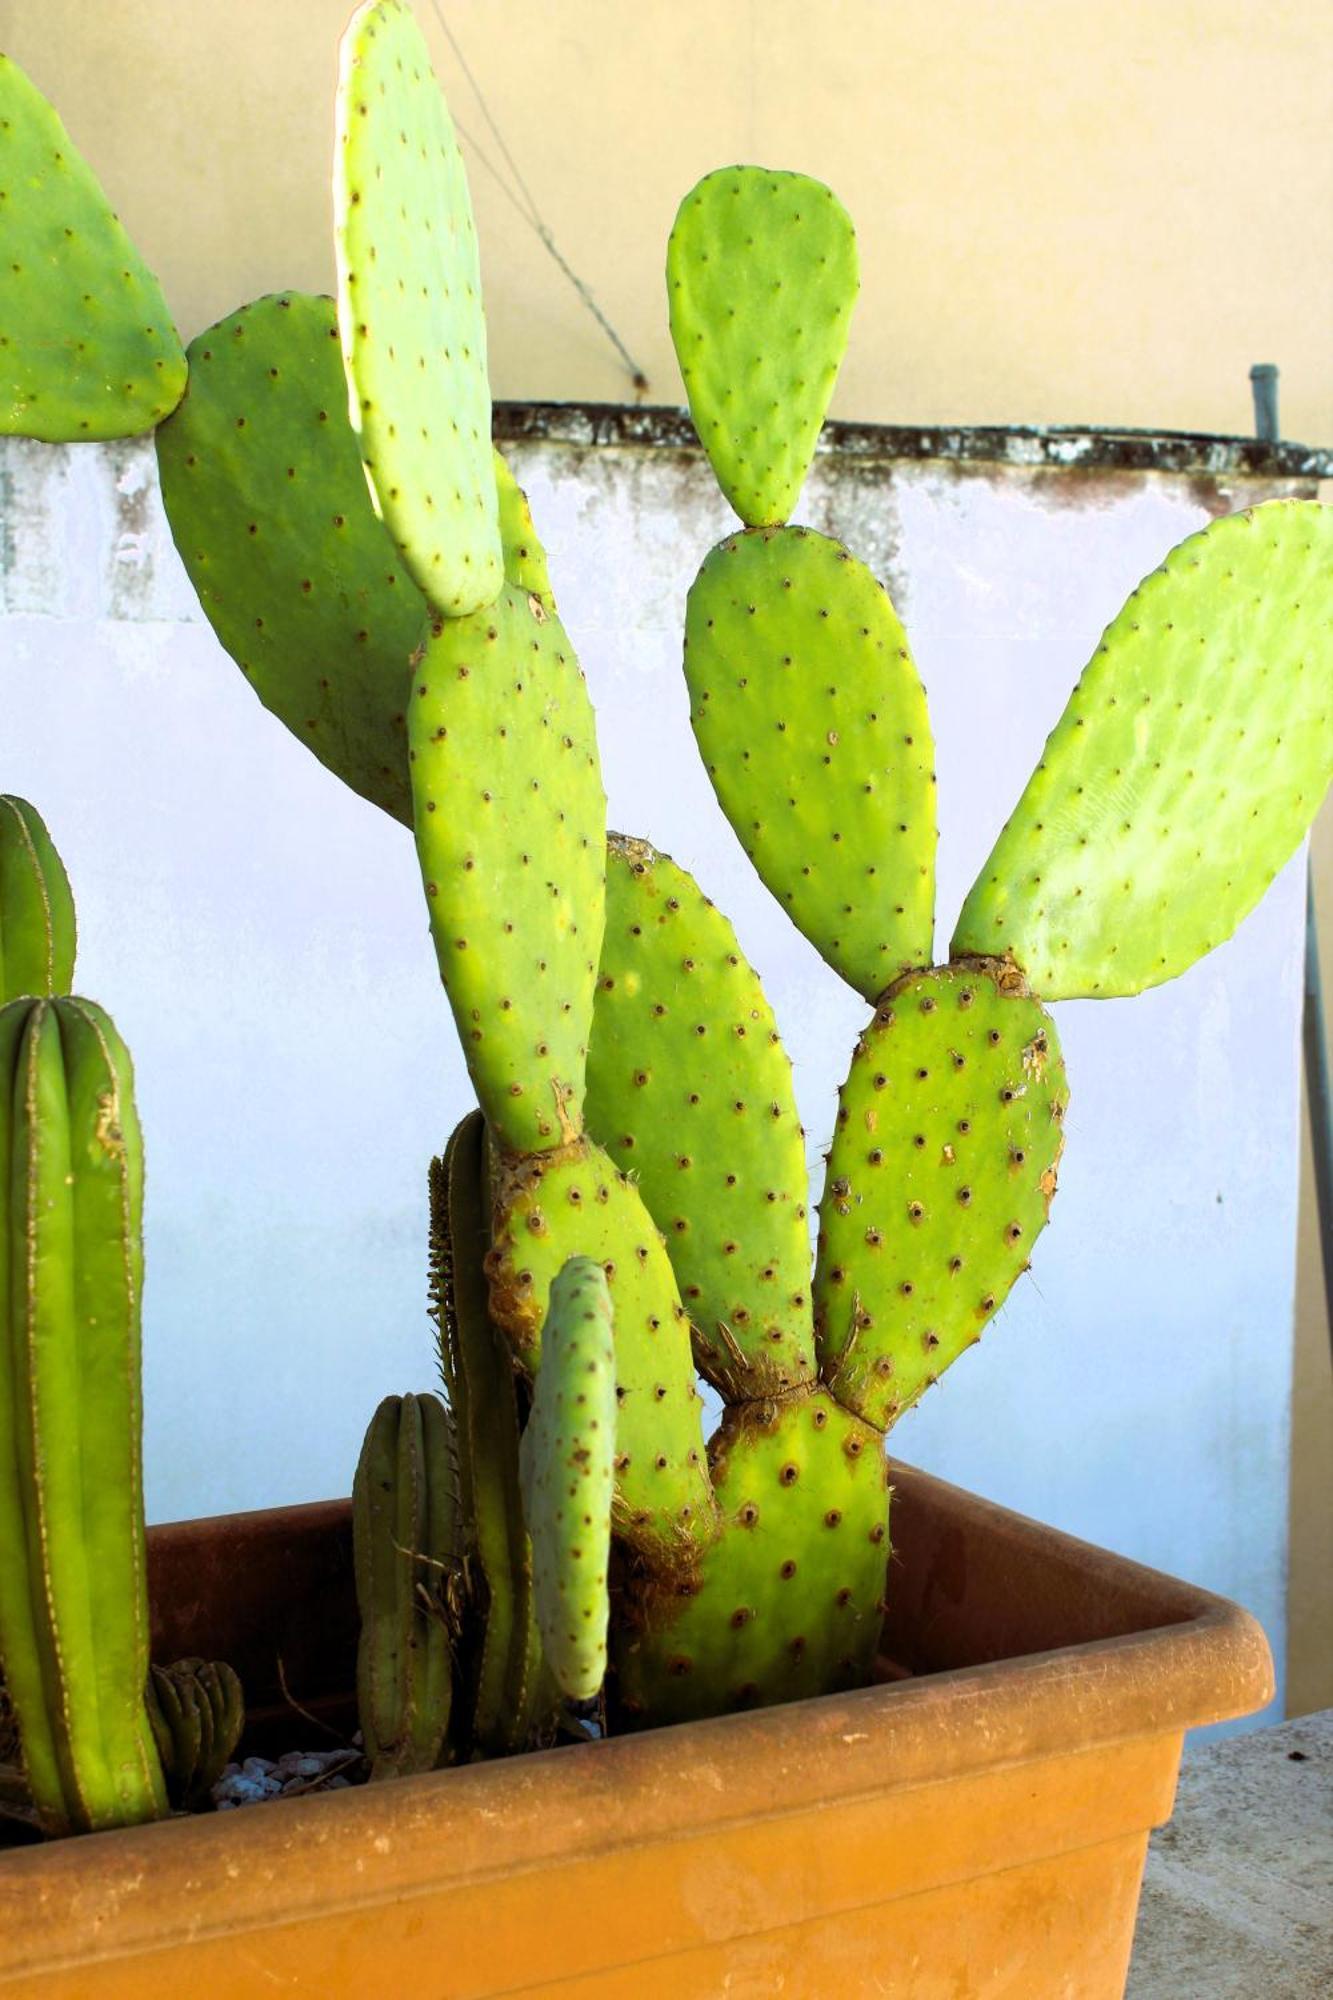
[
  {"x": 267, "y": 501},
  {"x": 567, "y": 1457},
  {"x": 90, "y": 350},
  {"x": 37, "y": 932},
  {"x": 690, "y": 1090},
  {"x": 405, "y": 1540},
  {"x": 1189, "y": 763},
  {"x": 524, "y": 557},
  {"x": 789, "y": 1601},
  {"x": 761, "y": 281},
  {"x": 410, "y": 311},
  {"x": 812, "y": 723},
  {"x": 940, "y": 1179},
  {"x": 73, "y": 1582},
  {"x": 575, "y": 1203},
  {"x": 511, "y": 835}
]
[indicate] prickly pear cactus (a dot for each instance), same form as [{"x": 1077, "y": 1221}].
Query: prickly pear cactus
[
  {"x": 73, "y": 1584},
  {"x": 406, "y": 1549},
  {"x": 90, "y": 350},
  {"x": 410, "y": 313},
  {"x": 511, "y": 828},
  {"x": 1187, "y": 767},
  {"x": 761, "y": 280},
  {"x": 197, "y": 1711},
  {"x": 812, "y": 724},
  {"x": 789, "y": 1601},
  {"x": 568, "y": 1459},
  {"x": 37, "y": 929},
  {"x": 690, "y": 1091},
  {"x": 267, "y": 501},
  {"x": 940, "y": 1179}
]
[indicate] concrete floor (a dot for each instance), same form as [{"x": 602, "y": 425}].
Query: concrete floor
[{"x": 1238, "y": 1891}]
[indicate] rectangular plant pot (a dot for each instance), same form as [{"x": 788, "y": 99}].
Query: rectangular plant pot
[{"x": 974, "y": 1824}]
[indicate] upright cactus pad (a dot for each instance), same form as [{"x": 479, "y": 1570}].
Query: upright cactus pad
[
  {"x": 506, "y": 1685},
  {"x": 568, "y": 1454},
  {"x": 690, "y": 1090},
  {"x": 524, "y": 557},
  {"x": 73, "y": 1584},
  {"x": 197, "y": 1712},
  {"x": 575, "y": 1203},
  {"x": 789, "y": 1601},
  {"x": 406, "y": 1547},
  {"x": 761, "y": 280},
  {"x": 37, "y": 931},
  {"x": 939, "y": 1181},
  {"x": 813, "y": 725},
  {"x": 511, "y": 832},
  {"x": 87, "y": 346},
  {"x": 1189, "y": 763},
  {"x": 410, "y": 311},
  {"x": 268, "y": 506}
]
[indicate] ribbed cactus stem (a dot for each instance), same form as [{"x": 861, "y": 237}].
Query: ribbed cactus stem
[
  {"x": 405, "y": 1544},
  {"x": 36, "y": 907},
  {"x": 73, "y": 1584}
]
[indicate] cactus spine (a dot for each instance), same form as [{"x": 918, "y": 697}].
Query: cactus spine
[{"x": 73, "y": 1589}]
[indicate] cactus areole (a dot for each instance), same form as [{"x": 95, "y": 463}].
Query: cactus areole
[{"x": 555, "y": 1546}]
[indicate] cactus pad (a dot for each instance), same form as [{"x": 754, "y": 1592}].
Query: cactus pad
[
  {"x": 410, "y": 311},
  {"x": 761, "y": 281},
  {"x": 524, "y": 557},
  {"x": 575, "y": 1203},
  {"x": 406, "y": 1547},
  {"x": 813, "y": 725},
  {"x": 87, "y": 346},
  {"x": 1189, "y": 763},
  {"x": 267, "y": 502},
  {"x": 690, "y": 1090},
  {"x": 511, "y": 833},
  {"x": 789, "y": 1601},
  {"x": 940, "y": 1178},
  {"x": 568, "y": 1454},
  {"x": 37, "y": 932}
]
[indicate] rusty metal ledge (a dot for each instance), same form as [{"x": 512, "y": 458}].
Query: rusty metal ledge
[{"x": 1065, "y": 449}]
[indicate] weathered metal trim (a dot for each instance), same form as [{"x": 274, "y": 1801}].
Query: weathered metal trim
[{"x": 1064, "y": 449}]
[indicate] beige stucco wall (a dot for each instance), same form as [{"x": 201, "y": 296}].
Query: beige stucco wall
[{"x": 1069, "y": 210}]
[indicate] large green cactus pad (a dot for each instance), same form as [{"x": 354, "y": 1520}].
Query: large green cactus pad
[
  {"x": 813, "y": 725},
  {"x": 87, "y": 346},
  {"x": 511, "y": 834},
  {"x": 507, "y": 1687},
  {"x": 789, "y": 1602},
  {"x": 761, "y": 280},
  {"x": 576, "y": 1203},
  {"x": 940, "y": 1178},
  {"x": 73, "y": 1579},
  {"x": 263, "y": 487},
  {"x": 568, "y": 1455},
  {"x": 410, "y": 311},
  {"x": 406, "y": 1544},
  {"x": 37, "y": 930},
  {"x": 1189, "y": 763},
  {"x": 690, "y": 1090}
]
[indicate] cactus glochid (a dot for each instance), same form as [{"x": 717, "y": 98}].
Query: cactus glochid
[{"x": 629, "y": 1203}]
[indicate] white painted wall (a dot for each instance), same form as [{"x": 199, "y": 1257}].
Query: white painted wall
[{"x": 260, "y": 938}]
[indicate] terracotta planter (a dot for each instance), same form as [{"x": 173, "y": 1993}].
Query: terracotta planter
[{"x": 975, "y": 1825}]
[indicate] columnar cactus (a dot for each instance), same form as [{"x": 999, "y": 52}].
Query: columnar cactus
[{"x": 73, "y": 1588}]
